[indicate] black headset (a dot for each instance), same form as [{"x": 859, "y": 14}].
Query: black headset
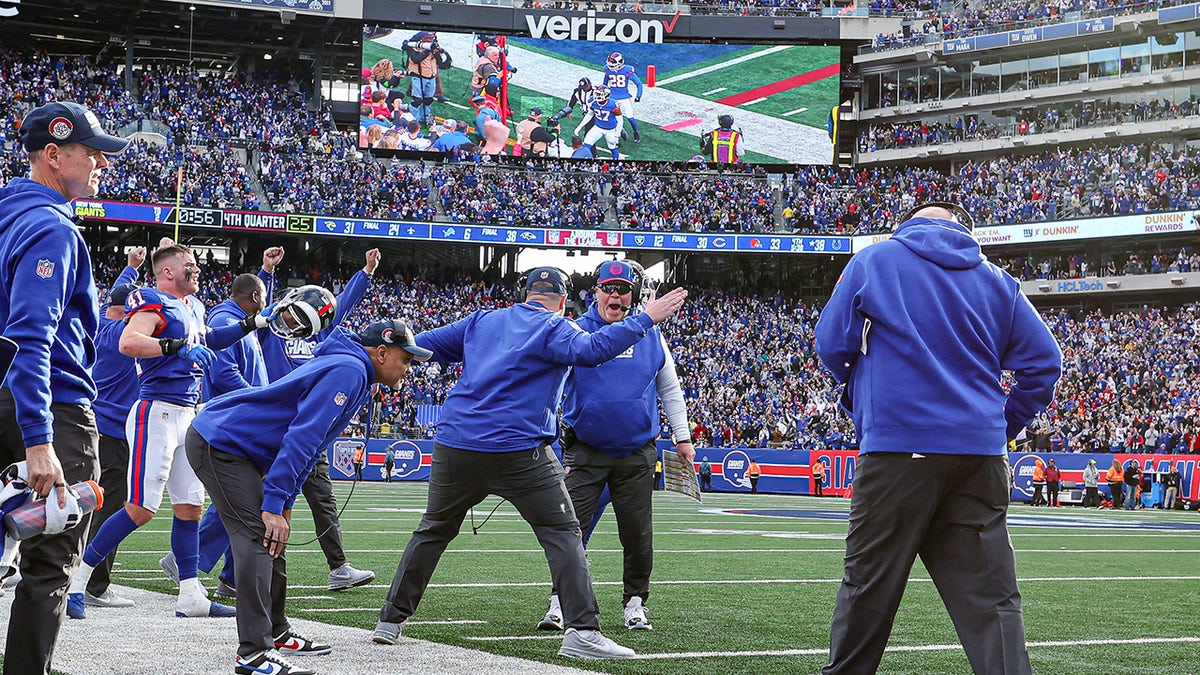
[
  {"x": 642, "y": 286},
  {"x": 521, "y": 292},
  {"x": 964, "y": 216}
]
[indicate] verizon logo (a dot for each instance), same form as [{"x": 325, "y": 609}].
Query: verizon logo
[{"x": 599, "y": 29}]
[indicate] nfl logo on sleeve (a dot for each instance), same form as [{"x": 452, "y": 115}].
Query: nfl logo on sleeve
[
  {"x": 45, "y": 269},
  {"x": 339, "y": 398}
]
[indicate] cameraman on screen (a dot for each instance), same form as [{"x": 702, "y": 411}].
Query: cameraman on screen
[{"x": 425, "y": 58}]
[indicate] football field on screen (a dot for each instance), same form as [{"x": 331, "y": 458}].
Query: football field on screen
[{"x": 746, "y": 584}]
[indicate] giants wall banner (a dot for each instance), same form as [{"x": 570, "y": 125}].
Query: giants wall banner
[{"x": 785, "y": 471}]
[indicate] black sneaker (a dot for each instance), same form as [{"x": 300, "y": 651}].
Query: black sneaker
[
  {"x": 267, "y": 662},
  {"x": 292, "y": 643},
  {"x": 637, "y": 138}
]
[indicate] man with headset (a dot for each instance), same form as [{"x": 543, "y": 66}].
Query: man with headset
[
  {"x": 611, "y": 416},
  {"x": 919, "y": 329},
  {"x": 494, "y": 437},
  {"x": 253, "y": 449}
]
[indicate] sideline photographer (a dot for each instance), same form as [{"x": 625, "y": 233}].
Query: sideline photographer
[{"x": 425, "y": 58}]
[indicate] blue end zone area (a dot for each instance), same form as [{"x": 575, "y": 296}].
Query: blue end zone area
[
  {"x": 1015, "y": 519},
  {"x": 666, "y": 56}
]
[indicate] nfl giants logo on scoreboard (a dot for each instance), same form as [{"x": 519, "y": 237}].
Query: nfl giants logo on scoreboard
[{"x": 45, "y": 269}]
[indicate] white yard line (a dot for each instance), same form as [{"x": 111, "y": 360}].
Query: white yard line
[
  {"x": 797, "y": 111},
  {"x": 710, "y": 92},
  {"x": 720, "y": 66}
]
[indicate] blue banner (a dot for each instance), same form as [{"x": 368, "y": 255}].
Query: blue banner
[
  {"x": 1036, "y": 34},
  {"x": 1177, "y": 14},
  {"x": 791, "y": 471},
  {"x": 376, "y": 228}
]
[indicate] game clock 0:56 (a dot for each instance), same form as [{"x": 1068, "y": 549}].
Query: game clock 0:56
[{"x": 199, "y": 217}]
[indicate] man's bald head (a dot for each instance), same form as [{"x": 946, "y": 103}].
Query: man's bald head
[{"x": 939, "y": 212}]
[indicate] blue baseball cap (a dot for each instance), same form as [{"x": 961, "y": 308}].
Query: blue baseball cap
[
  {"x": 616, "y": 271},
  {"x": 118, "y": 294},
  {"x": 546, "y": 280},
  {"x": 393, "y": 333},
  {"x": 64, "y": 122}
]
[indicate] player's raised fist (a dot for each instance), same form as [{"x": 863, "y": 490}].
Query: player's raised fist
[
  {"x": 165, "y": 242},
  {"x": 373, "y": 258},
  {"x": 136, "y": 256}
]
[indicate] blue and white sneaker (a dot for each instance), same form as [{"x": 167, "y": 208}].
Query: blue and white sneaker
[
  {"x": 193, "y": 607},
  {"x": 75, "y": 605},
  {"x": 267, "y": 662}
]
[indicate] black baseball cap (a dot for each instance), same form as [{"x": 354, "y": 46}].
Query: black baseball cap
[
  {"x": 393, "y": 333},
  {"x": 546, "y": 280},
  {"x": 64, "y": 122}
]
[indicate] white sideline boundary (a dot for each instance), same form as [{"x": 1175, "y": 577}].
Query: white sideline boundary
[{"x": 149, "y": 638}]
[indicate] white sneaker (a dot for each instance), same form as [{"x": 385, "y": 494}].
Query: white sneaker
[
  {"x": 106, "y": 599},
  {"x": 387, "y": 633},
  {"x": 553, "y": 618},
  {"x": 590, "y": 644},
  {"x": 635, "y": 615},
  {"x": 347, "y": 577},
  {"x": 200, "y": 606}
]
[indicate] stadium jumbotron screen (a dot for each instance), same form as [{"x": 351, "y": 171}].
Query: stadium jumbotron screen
[{"x": 779, "y": 96}]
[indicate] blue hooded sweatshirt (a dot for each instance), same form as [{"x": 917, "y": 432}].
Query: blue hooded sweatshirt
[
  {"x": 116, "y": 376},
  {"x": 48, "y": 305},
  {"x": 514, "y": 363},
  {"x": 919, "y": 328},
  {"x": 613, "y": 407},
  {"x": 241, "y": 364},
  {"x": 285, "y": 426}
]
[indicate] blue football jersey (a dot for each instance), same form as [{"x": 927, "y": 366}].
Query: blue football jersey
[
  {"x": 618, "y": 82},
  {"x": 604, "y": 115},
  {"x": 173, "y": 379}
]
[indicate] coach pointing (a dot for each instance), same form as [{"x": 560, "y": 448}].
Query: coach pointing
[{"x": 49, "y": 307}]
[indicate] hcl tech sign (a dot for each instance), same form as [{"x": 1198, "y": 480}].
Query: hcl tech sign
[{"x": 598, "y": 29}]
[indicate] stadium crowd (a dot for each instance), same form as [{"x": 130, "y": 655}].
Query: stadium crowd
[
  {"x": 752, "y": 379},
  {"x": 1059, "y": 117}
]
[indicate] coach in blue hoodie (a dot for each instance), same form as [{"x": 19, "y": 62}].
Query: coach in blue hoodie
[
  {"x": 494, "y": 437},
  {"x": 48, "y": 306},
  {"x": 253, "y": 449},
  {"x": 920, "y": 329}
]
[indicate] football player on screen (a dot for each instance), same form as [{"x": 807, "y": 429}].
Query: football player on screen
[
  {"x": 617, "y": 78},
  {"x": 605, "y": 116}
]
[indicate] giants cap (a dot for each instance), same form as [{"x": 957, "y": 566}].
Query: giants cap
[
  {"x": 616, "y": 271},
  {"x": 394, "y": 333},
  {"x": 65, "y": 122},
  {"x": 547, "y": 280}
]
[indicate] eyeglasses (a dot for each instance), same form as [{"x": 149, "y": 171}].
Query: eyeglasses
[{"x": 617, "y": 289}]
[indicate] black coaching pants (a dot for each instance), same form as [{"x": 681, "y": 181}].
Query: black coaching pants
[
  {"x": 47, "y": 561},
  {"x": 952, "y": 511}
]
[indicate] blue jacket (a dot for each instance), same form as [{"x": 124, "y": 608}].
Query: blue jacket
[
  {"x": 613, "y": 407},
  {"x": 241, "y": 364},
  {"x": 919, "y": 328},
  {"x": 283, "y": 356},
  {"x": 48, "y": 305},
  {"x": 514, "y": 363},
  {"x": 116, "y": 377},
  {"x": 285, "y": 426}
]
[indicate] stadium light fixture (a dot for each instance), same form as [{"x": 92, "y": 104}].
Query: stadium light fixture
[
  {"x": 267, "y": 56},
  {"x": 1045, "y": 288},
  {"x": 425, "y": 9},
  {"x": 1178, "y": 281},
  {"x": 1112, "y": 283},
  {"x": 779, "y": 24}
]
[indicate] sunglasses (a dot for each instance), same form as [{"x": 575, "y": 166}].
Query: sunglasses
[{"x": 617, "y": 289}]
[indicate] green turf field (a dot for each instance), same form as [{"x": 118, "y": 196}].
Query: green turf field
[
  {"x": 754, "y": 594},
  {"x": 656, "y": 145},
  {"x": 818, "y": 96}
]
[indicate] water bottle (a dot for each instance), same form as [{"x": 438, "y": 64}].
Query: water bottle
[{"x": 29, "y": 519}]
